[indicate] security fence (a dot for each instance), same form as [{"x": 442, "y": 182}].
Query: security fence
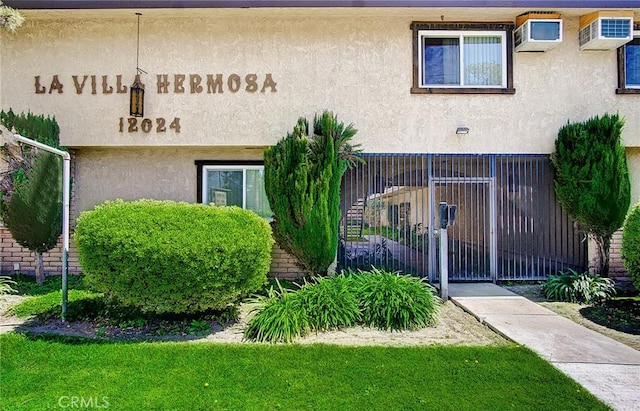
[{"x": 509, "y": 225}]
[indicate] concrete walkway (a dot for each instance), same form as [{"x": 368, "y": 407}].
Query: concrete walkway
[{"x": 608, "y": 369}]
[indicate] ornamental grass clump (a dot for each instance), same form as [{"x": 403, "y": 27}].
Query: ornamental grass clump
[
  {"x": 391, "y": 301},
  {"x": 277, "y": 317},
  {"x": 330, "y": 303},
  {"x": 5, "y": 285},
  {"x": 385, "y": 300},
  {"x": 575, "y": 287}
]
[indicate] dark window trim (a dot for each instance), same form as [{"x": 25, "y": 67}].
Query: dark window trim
[
  {"x": 462, "y": 26},
  {"x": 201, "y": 163},
  {"x": 622, "y": 75}
]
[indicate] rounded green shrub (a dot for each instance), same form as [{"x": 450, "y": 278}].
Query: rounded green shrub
[
  {"x": 631, "y": 245},
  {"x": 168, "y": 257}
]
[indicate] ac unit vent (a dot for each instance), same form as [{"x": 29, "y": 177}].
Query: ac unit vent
[
  {"x": 538, "y": 35},
  {"x": 606, "y": 33}
]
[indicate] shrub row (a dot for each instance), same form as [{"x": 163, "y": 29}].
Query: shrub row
[
  {"x": 168, "y": 257},
  {"x": 631, "y": 245},
  {"x": 381, "y": 299}
]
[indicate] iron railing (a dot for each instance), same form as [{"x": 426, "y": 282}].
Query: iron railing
[{"x": 509, "y": 225}]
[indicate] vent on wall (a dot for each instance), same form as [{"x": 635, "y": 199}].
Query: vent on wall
[{"x": 606, "y": 30}]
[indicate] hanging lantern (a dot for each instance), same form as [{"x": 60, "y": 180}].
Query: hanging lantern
[
  {"x": 136, "y": 97},
  {"x": 136, "y": 103}
]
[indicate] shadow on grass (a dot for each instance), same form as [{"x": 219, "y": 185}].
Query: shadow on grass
[
  {"x": 66, "y": 339},
  {"x": 92, "y": 319},
  {"x": 26, "y": 284}
]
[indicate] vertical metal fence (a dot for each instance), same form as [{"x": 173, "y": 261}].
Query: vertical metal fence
[{"x": 509, "y": 225}]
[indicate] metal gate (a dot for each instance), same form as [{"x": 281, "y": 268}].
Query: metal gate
[{"x": 509, "y": 224}]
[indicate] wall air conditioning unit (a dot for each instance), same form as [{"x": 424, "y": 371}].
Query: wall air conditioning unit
[
  {"x": 605, "y": 30},
  {"x": 537, "y": 31}
]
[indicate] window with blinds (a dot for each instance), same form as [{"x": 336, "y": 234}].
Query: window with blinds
[{"x": 462, "y": 58}]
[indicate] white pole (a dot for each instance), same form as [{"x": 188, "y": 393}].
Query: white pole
[
  {"x": 66, "y": 180},
  {"x": 444, "y": 264},
  {"x": 443, "y": 209}
]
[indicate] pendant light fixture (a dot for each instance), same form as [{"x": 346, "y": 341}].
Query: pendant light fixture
[{"x": 136, "y": 100}]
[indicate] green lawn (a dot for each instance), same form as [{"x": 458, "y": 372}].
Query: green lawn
[{"x": 39, "y": 374}]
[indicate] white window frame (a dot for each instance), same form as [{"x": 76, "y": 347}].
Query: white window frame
[
  {"x": 243, "y": 168},
  {"x": 461, "y": 34}
]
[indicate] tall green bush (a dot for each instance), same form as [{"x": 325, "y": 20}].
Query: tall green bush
[
  {"x": 31, "y": 188},
  {"x": 167, "y": 257},
  {"x": 631, "y": 245},
  {"x": 303, "y": 173},
  {"x": 592, "y": 178}
]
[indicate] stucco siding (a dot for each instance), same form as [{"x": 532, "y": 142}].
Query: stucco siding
[{"x": 358, "y": 66}]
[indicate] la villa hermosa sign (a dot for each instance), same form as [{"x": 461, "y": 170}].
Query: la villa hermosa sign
[{"x": 165, "y": 84}]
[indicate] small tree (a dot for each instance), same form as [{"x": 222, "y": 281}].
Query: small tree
[
  {"x": 303, "y": 174},
  {"x": 31, "y": 188},
  {"x": 592, "y": 179}
]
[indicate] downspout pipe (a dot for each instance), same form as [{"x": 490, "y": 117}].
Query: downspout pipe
[{"x": 66, "y": 196}]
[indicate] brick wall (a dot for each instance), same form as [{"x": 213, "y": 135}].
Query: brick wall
[
  {"x": 617, "y": 270},
  {"x": 12, "y": 253},
  {"x": 283, "y": 265}
]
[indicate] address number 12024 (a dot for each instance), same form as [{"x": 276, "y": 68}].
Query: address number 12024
[{"x": 134, "y": 125}]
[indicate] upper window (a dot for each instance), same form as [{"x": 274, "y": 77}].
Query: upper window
[
  {"x": 229, "y": 184},
  {"x": 462, "y": 58},
  {"x": 629, "y": 66}
]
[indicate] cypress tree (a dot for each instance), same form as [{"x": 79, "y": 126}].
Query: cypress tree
[
  {"x": 31, "y": 189},
  {"x": 303, "y": 174},
  {"x": 592, "y": 178}
]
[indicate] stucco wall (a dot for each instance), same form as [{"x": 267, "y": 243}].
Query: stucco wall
[
  {"x": 134, "y": 173},
  {"x": 356, "y": 62}
]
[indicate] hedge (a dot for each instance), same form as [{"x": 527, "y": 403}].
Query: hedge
[
  {"x": 168, "y": 257},
  {"x": 631, "y": 245}
]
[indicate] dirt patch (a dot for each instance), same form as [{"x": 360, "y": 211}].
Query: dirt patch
[
  {"x": 456, "y": 327},
  {"x": 9, "y": 322}
]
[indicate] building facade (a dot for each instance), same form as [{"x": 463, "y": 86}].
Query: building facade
[{"x": 451, "y": 103}]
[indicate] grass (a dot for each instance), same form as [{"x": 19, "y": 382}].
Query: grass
[
  {"x": 173, "y": 376},
  {"x": 28, "y": 286},
  {"x": 48, "y": 306}
]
